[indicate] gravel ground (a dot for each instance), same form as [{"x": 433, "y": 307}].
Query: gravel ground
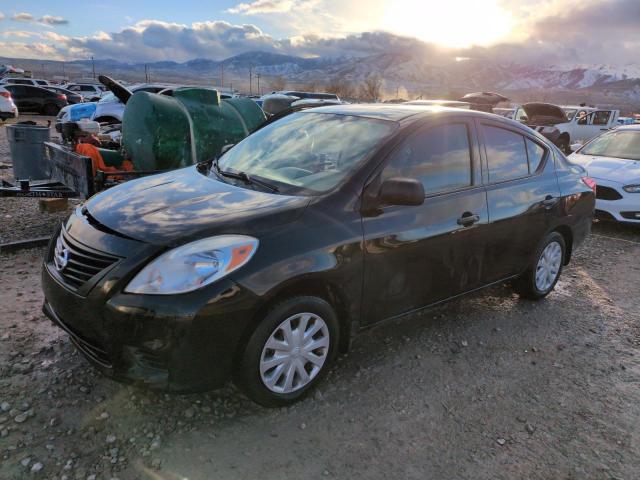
[
  {"x": 485, "y": 387},
  {"x": 20, "y": 218}
]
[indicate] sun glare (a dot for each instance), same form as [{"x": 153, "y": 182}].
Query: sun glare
[{"x": 450, "y": 23}]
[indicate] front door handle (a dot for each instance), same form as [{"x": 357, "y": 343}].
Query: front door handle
[
  {"x": 550, "y": 201},
  {"x": 467, "y": 219}
]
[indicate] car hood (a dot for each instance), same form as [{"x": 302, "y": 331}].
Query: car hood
[
  {"x": 551, "y": 114},
  {"x": 183, "y": 205},
  {"x": 620, "y": 170}
]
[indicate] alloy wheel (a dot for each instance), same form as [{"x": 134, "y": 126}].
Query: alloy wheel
[{"x": 294, "y": 353}]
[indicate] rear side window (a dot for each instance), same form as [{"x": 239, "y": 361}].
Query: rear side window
[
  {"x": 506, "y": 154},
  {"x": 439, "y": 157},
  {"x": 536, "y": 153}
]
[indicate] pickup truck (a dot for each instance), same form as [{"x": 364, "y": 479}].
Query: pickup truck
[{"x": 564, "y": 125}]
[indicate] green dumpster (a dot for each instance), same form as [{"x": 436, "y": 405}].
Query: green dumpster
[{"x": 166, "y": 132}]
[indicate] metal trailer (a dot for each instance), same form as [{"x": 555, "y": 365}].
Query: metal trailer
[{"x": 71, "y": 177}]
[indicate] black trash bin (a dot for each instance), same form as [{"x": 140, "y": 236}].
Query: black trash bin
[{"x": 26, "y": 144}]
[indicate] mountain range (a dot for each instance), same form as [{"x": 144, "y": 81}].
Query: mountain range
[{"x": 406, "y": 74}]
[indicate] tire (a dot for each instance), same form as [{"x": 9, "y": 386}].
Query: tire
[
  {"x": 260, "y": 365},
  {"x": 50, "y": 110},
  {"x": 527, "y": 286}
]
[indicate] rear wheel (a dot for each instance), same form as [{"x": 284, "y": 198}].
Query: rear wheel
[
  {"x": 50, "y": 110},
  {"x": 545, "y": 268},
  {"x": 289, "y": 352}
]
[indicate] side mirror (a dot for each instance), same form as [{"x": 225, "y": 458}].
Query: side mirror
[
  {"x": 401, "y": 191},
  {"x": 226, "y": 148}
]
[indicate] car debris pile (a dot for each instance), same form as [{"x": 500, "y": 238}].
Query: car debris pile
[{"x": 157, "y": 133}]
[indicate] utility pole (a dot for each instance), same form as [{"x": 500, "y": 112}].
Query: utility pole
[
  {"x": 93, "y": 67},
  {"x": 64, "y": 75},
  {"x": 258, "y": 77},
  {"x": 250, "y": 80},
  {"x": 146, "y": 74},
  {"x": 222, "y": 76}
]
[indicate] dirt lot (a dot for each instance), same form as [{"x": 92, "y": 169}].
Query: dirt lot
[{"x": 486, "y": 387}]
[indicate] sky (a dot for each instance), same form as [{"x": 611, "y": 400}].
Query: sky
[{"x": 547, "y": 31}]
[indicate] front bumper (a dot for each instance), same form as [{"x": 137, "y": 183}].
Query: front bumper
[
  {"x": 625, "y": 209},
  {"x": 180, "y": 343}
]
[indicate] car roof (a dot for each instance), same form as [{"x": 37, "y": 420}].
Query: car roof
[
  {"x": 39, "y": 87},
  {"x": 402, "y": 112}
]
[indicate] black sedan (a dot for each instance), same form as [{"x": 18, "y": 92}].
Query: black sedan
[
  {"x": 262, "y": 266},
  {"x": 37, "y": 99},
  {"x": 72, "y": 97}
]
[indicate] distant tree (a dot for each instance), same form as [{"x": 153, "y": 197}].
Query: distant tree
[
  {"x": 278, "y": 83},
  {"x": 310, "y": 86},
  {"x": 342, "y": 87},
  {"x": 371, "y": 88}
]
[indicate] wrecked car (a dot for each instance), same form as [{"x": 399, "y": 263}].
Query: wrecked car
[
  {"x": 263, "y": 264},
  {"x": 566, "y": 125}
]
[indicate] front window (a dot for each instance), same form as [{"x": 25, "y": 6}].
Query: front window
[
  {"x": 616, "y": 144},
  {"x": 570, "y": 113},
  {"x": 308, "y": 152}
]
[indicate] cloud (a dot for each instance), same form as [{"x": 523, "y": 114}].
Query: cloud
[
  {"x": 53, "y": 20},
  {"x": 263, "y": 6},
  {"x": 47, "y": 20},
  {"x": 546, "y": 32},
  {"x": 23, "y": 17},
  {"x": 1, "y": 16}
]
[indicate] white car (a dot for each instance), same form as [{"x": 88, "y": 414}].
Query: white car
[
  {"x": 613, "y": 161},
  {"x": 109, "y": 109},
  {"x": 36, "y": 82},
  {"x": 89, "y": 92},
  {"x": 8, "y": 109},
  {"x": 564, "y": 125}
]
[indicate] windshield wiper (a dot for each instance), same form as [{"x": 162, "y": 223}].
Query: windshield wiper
[{"x": 245, "y": 177}]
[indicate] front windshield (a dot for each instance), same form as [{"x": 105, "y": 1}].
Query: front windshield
[
  {"x": 620, "y": 144},
  {"x": 309, "y": 151},
  {"x": 109, "y": 97}
]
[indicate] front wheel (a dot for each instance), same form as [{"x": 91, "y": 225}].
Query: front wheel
[
  {"x": 545, "y": 268},
  {"x": 289, "y": 351}
]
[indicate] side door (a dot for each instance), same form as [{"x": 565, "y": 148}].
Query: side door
[
  {"x": 522, "y": 193},
  {"x": 19, "y": 94},
  {"x": 419, "y": 255}
]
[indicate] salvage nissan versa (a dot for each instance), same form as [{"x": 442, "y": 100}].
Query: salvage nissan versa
[{"x": 262, "y": 265}]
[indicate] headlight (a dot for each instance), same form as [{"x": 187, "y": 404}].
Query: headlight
[
  {"x": 632, "y": 188},
  {"x": 194, "y": 265},
  {"x": 548, "y": 129}
]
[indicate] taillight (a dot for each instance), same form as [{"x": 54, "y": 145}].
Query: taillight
[
  {"x": 590, "y": 182},
  {"x": 61, "y": 96},
  {"x": 5, "y": 94}
]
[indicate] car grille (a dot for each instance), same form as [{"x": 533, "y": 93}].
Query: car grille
[
  {"x": 607, "y": 193},
  {"x": 78, "y": 264}
]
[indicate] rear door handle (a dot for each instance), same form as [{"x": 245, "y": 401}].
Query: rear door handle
[{"x": 467, "y": 219}]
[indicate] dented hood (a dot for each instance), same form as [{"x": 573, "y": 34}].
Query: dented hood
[{"x": 551, "y": 113}]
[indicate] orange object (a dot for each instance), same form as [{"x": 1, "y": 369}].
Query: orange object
[{"x": 97, "y": 163}]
